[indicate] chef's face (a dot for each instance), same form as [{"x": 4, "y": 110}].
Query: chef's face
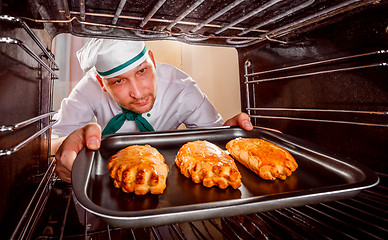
[{"x": 134, "y": 90}]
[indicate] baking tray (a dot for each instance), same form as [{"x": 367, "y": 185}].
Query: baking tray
[{"x": 321, "y": 177}]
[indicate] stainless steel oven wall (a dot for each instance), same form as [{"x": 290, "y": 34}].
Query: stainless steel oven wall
[
  {"x": 25, "y": 96},
  {"x": 356, "y": 84}
]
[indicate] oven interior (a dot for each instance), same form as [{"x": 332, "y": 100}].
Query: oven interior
[{"x": 313, "y": 69}]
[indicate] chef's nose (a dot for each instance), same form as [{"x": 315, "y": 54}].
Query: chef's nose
[{"x": 135, "y": 89}]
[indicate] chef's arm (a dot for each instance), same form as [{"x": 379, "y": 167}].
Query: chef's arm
[
  {"x": 242, "y": 120},
  {"x": 67, "y": 148}
]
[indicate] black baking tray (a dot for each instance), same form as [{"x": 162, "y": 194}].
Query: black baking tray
[{"x": 320, "y": 177}]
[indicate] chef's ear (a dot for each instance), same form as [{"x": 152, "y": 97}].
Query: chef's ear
[
  {"x": 151, "y": 54},
  {"x": 101, "y": 83}
]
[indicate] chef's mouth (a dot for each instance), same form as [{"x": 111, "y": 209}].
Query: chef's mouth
[{"x": 142, "y": 102}]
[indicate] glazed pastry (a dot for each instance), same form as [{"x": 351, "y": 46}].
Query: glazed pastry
[
  {"x": 207, "y": 163},
  {"x": 266, "y": 159},
  {"x": 139, "y": 169}
]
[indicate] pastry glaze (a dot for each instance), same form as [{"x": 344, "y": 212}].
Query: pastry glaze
[
  {"x": 139, "y": 169},
  {"x": 207, "y": 163},
  {"x": 266, "y": 159}
]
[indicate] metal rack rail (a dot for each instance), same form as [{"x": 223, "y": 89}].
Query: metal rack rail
[
  {"x": 6, "y": 128},
  {"x": 311, "y": 64},
  {"x": 250, "y": 79},
  {"x": 9, "y": 40},
  {"x": 269, "y": 21},
  {"x": 7, "y": 152},
  {"x": 311, "y": 19},
  {"x": 306, "y": 222},
  {"x": 31, "y": 33},
  {"x": 35, "y": 207},
  {"x": 381, "y": 64},
  {"x": 31, "y": 214}
]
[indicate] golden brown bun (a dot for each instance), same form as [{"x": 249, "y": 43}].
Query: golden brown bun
[
  {"x": 139, "y": 169},
  {"x": 266, "y": 159},
  {"x": 207, "y": 163}
]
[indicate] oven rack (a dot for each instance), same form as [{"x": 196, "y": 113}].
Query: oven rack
[
  {"x": 231, "y": 34},
  {"x": 250, "y": 79},
  {"x": 36, "y": 205},
  {"x": 30, "y": 218},
  {"x": 361, "y": 217},
  {"x": 19, "y": 21},
  {"x": 333, "y": 60},
  {"x": 8, "y": 40},
  {"x": 4, "y": 128},
  {"x": 309, "y": 21}
]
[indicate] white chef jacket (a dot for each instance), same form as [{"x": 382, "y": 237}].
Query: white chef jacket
[{"x": 178, "y": 100}]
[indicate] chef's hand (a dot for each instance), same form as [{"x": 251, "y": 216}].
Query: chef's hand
[
  {"x": 242, "y": 120},
  {"x": 67, "y": 148}
]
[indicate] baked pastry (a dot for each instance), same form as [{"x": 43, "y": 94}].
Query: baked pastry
[
  {"x": 266, "y": 159},
  {"x": 207, "y": 163},
  {"x": 139, "y": 169}
]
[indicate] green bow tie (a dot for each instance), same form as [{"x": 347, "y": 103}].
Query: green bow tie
[{"x": 117, "y": 122}]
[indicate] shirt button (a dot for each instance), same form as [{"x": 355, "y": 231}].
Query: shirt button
[{"x": 148, "y": 114}]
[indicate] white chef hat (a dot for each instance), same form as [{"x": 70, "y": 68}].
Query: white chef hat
[{"x": 111, "y": 57}]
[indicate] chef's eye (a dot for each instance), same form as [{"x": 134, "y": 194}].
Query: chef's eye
[
  {"x": 118, "y": 81},
  {"x": 141, "y": 70}
]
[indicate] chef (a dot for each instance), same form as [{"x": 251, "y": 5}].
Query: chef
[{"x": 124, "y": 90}]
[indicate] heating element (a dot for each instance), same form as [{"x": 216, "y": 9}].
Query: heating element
[{"x": 235, "y": 23}]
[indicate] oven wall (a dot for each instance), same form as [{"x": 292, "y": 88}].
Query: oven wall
[
  {"x": 361, "y": 90},
  {"x": 25, "y": 94}
]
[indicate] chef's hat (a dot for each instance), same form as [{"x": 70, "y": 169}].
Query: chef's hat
[{"x": 111, "y": 57}]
